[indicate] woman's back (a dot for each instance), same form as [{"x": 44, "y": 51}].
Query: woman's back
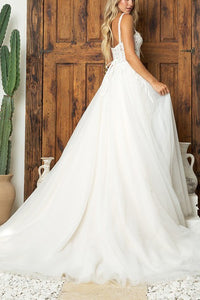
[{"x": 114, "y": 28}]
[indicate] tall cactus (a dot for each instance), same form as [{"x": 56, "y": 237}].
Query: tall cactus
[
  {"x": 4, "y": 19},
  {"x": 10, "y": 62},
  {"x": 5, "y": 132}
]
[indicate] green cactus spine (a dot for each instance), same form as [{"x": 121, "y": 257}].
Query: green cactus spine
[{"x": 4, "y": 19}]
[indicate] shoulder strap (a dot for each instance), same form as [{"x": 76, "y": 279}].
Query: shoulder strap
[{"x": 119, "y": 31}]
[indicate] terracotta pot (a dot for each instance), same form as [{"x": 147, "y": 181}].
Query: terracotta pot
[{"x": 7, "y": 197}]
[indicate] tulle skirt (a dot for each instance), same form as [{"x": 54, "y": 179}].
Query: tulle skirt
[{"x": 113, "y": 207}]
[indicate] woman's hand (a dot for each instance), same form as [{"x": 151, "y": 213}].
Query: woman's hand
[{"x": 160, "y": 87}]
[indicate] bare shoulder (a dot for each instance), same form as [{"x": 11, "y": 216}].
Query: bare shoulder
[
  {"x": 127, "y": 30},
  {"x": 127, "y": 20}
]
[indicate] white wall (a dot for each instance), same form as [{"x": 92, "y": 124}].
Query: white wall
[{"x": 18, "y": 21}]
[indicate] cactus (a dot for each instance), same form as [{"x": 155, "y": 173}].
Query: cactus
[
  {"x": 5, "y": 132},
  {"x": 10, "y": 62},
  {"x": 4, "y": 19},
  {"x": 4, "y": 65}
]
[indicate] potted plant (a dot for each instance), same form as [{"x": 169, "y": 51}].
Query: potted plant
[{"x": 10, "y": 80}]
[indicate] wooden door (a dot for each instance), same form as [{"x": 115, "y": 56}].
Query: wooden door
[
  {"x": 73, "y": 67},
  {"x": 69, "y": 69}
]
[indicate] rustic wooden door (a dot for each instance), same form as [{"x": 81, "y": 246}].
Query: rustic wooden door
[{"x": 73, "y": 68}]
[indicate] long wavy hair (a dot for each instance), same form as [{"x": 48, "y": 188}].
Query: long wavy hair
[{"x": 110, "y": 12}]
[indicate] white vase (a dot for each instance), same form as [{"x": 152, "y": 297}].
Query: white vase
[
  {"x": 45, "y": 167},
  {"x": 191, "y": 178}
]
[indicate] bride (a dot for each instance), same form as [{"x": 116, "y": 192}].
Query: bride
[{"x": 114, "y": 206}]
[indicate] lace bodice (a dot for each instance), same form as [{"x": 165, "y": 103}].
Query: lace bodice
[{"x": 118, "y": 51}]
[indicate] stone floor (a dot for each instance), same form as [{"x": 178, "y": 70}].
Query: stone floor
[{"x": 36, "y": 287}]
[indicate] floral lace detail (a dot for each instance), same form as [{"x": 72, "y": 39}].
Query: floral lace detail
[{"x": 118, "y": 53}]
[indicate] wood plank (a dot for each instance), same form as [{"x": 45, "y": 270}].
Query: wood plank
[
  {"x": 195, "y": 89},
  {"x": 34, "y": 86},
  {"x": 93, "y": 23},
  {"x": 106, "y": 291},
  {"x": 184, "y": 71},
  {"x": 64, "y": 21},
  {"x": 153, "y": 15},
  {"x": 50, "y": 29},
  {"x": 153, "y": 52},
  {"x": 64, "y": 106},
  {"x": 49, "y": 108},
  {"x": 79, "y": 94},
  {"x": 169, "y": 19},
  {"x": 94, "y": 78},
  {"x": 80, "y": 21}
]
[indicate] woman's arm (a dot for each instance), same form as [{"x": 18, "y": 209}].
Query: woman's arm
[{"x": 127, "y": 36}]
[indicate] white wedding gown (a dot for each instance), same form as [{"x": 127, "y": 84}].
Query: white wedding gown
[{"x": 114, "y": 205}]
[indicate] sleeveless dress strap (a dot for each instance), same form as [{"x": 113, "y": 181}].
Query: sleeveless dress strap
[{"x": 119, "y": 31}]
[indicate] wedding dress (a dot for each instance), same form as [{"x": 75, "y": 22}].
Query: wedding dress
[{"x": 114, "y": 206}]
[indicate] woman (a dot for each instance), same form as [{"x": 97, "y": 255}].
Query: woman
[
  {"x": 129, "y": 7},
  {"x": 114, "y": 206}
]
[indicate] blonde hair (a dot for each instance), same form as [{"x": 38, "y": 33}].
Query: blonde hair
[{"x": 110, "y": 12}]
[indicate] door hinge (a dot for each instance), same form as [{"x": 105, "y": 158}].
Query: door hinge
[{"x": 189, "y": 50}]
